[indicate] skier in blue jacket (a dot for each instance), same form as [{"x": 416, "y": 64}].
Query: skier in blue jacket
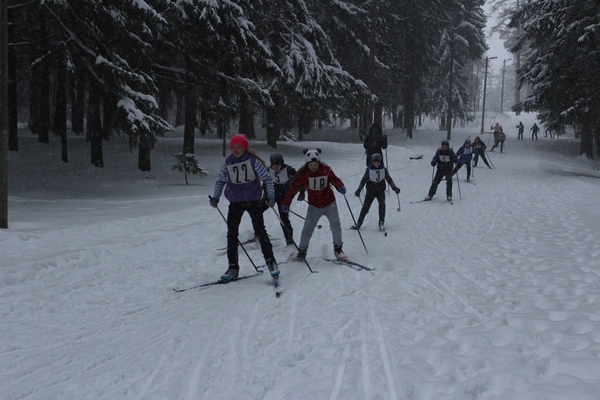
[{"x": 465, "y": 154}]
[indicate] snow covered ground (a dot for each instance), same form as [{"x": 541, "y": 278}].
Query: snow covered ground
[{"x": 494, "y": 297}]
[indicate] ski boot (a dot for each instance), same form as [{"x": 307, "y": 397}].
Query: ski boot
[
  {"x": 301, "y": 256},
  {"x": 273, "y": 268},
  {"x": 232, "y": 273},
  {"x": 339, "y": 253}
]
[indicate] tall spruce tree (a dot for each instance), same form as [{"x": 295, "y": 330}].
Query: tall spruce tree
[{"x": 562, "y": 65}]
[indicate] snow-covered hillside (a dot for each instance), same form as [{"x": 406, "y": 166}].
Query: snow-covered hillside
[{"x": 496, "y": 296}]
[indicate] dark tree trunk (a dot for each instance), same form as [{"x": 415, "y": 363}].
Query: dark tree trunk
[
  {"x": 4, "y": 77},
  {"x": 44, "y": 88},
  {"x": 59, "y": 125},
  {"x": 145, "y": 148},
  {"x": 164, "y": 102},
  {"x": 190, "y": 124},
  {"x": 94, "y": 128},
  {"x": 597, "y": 138},
  {"x": 586, "y": 144},
  {"x": 378, "y": 113},
  {"x": 246, "y": 124},
  {"x": 109, "y": 109},
  {"x": 304, "y": 122},
  {"x": 409, "y": 111},
  {"x": 180, "y": 112},
  {"x": 273, "y": 124},
  {"x": 34, "y": 105},
  {"x": 78, "y": 109},
  {"x": 203, "y": 126},
  {"x": 13, "y": 133},
  {"x": 44, "y": 105}
]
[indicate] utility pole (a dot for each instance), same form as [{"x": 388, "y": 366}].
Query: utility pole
[
  {"x": 372, "y": 45},
  {"x": 517, "y": 67},
  {"x": 502, "y": 92},
  {"x": 4, "y": 115},
  {"x": 485, "y": 72}
]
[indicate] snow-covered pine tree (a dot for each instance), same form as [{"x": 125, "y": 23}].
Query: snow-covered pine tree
[
  {"x": 562, "y": 65},
  {"x": 188, "y": 164}
]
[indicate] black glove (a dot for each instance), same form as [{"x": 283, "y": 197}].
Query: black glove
[
  {"x": 357, "y": 193},
  {"x": 214, "y": 202},
  {"x": 271, "y": 203},
  {"x": 397, "y": 190},
  {"x": 433, "y": 163},
  {"x": 301, "y": 196}
]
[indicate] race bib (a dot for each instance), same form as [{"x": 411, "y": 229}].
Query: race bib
[
  {"x": 241, "y": 172},
  {"x": 280, "y": 177},
  {"x": 376, "y": 175},
  {"x": 317, "y": 182},
  {"x": 444, "y": 158}
]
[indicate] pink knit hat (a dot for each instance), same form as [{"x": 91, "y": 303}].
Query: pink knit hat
[{"x": 239, "y": 139}]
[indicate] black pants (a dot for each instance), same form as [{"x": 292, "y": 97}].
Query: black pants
[
  {"x": 520, "y": 136},
  {"x": 288, "y": 231},
  {"x": 441, "y": 173},
  {"x": 369, "y": 198},
  {"x": 459, "y": 166},
  {"x": 496, "y": 143},
  {"x": 234, "y": 217},
  {"x": 476, "y": 158}
]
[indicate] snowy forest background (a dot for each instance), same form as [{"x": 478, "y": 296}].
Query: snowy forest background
[{"x": 139, "y": 68}]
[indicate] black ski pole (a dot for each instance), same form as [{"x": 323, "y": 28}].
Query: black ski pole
[
  {"x": 355, "y": 224},
  {"x": 458, "y": 181},
  {"x": 399, "y": 209},
  {"x": 386, "y": 164},
  {"x": 432, "y": 172},
  {"x": 297, "y": 248},
  {"x": 300, "y": 216},
  {"x": 239, "y": 242},
  {"x": 490, "y": 160}
]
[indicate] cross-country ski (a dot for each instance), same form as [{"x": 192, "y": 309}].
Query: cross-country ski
[{"x": 218, "y": 282}]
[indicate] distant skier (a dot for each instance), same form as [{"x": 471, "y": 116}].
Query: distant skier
[
  {"x": 534, "y": 131},
  {"x": 444, "y": 159},
  {"x": 374, "y": 178},
  {"x": 464, "y": 154},
  {"x": 479, "y": 151},
  {"x": 521, "y": 128},
  {"x": 499, "y": 137},
  {"x": 375, "y": 142}
]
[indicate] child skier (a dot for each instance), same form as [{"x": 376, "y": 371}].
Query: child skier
[
  {"x": 444, "y": 158},
  {"x": 281, "y": 175},
  {"x": 317, "y": 177},
  {"x": 464, "y": 154},
  {"x": 375, "y": 177},
  {"x": 479, "y": 151},
  {"x": 241, "y": 174},
  {"x": 499, "y": 137}
]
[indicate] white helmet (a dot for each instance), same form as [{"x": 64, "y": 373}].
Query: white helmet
[{"x": 312, "y": 155}]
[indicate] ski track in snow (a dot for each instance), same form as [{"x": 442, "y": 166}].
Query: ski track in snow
[{"x": 493, "y": 297}]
